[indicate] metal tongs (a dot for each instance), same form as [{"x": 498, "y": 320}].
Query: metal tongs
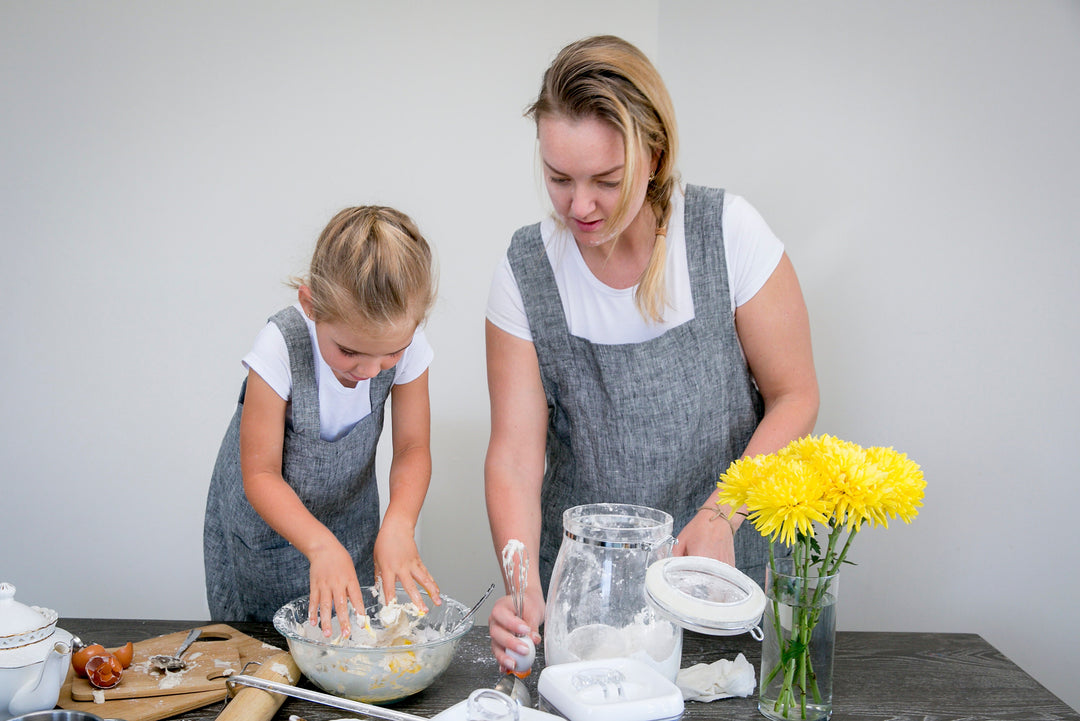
[{"x": 318, "y": 697}]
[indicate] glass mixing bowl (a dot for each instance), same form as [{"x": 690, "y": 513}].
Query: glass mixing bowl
[{"x": 373, "y": 674}]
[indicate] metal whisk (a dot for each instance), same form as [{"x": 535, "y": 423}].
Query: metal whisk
[
  {"x": 515, "y": 562},
  {"x": 516, "y": 558}
]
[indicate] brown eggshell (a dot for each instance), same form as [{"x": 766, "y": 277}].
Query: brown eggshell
[
  {"x": 104, "y": 671},
  {"x": 84, "y": 654}
]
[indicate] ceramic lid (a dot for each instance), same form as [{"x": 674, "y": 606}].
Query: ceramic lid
[
  {"x": 705, "y": 595},
  {"x": 609, "y": 689},
  {"x": 22, "y": 625}
]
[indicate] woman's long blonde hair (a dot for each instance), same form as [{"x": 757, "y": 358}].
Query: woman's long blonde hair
[
  {"x": 608, "y": 78},
  {"x": 372, "y": 265}
]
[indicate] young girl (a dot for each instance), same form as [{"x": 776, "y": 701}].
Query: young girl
[{"x": 293, "y": 506}]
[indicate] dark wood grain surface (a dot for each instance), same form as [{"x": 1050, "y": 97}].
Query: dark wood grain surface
[{"x": 894, "y": 676}]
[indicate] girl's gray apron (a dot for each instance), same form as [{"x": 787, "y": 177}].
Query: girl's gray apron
[
  {"x": 653, "y": 423},
  {"x": 251, "y": 571}
]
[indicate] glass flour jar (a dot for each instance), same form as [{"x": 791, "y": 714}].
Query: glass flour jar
[{"x": 597, "y": 606}]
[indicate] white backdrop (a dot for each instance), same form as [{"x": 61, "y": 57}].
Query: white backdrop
[{"x": 165, "y": 166}]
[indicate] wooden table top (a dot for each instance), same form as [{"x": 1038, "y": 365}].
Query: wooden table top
[{"x": 895, "y": 676}]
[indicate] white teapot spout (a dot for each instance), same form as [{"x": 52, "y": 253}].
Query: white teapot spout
[{"x": 42, "y": 692}]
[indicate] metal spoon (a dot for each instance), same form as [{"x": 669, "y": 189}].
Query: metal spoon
[
  {"x": 471, "y": 611},
  {"x": 163, "y": 662},
  {"x": 515, "y": 688}
]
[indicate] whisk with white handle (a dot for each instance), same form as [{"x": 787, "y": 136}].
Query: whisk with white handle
[{"x": 515, "y": 562}]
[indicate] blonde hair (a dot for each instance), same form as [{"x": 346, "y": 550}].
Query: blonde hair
[
  {"x": 608, "y": 78},
  {"x": 370, "y": 264}
]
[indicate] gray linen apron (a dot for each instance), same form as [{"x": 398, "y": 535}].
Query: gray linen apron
[
  {"x": 251, "y": 570},
  {"x": 653, "y": 423}
]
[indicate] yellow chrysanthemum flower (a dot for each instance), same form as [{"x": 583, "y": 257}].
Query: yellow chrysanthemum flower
[
  {"x": 903, "y": 487},
  {"x": 852, "y": 485},
  {"x": 786, "y": 503},
  {"x": 824, "y": 479},
  {"x": 741, "y": 476}
]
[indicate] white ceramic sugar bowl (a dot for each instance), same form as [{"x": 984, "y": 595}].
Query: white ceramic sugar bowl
[{"x": 34, "y": 656}]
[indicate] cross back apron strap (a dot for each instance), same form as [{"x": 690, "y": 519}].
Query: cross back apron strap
[
  {"x": 652, "y": 423},
  {"x": 256, "y": 570}
]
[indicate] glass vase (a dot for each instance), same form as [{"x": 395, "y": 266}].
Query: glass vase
[{"x": 799, "y": 627}]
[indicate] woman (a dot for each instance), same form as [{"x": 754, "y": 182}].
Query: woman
[{"x": 639, "y": 341}]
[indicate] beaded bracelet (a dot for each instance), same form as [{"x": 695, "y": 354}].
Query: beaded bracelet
[{"x": 717, "y": 513}]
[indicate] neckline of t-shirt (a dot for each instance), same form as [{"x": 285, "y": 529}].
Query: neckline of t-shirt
[
  {"x": 565, "y": 238},
  {"x": 337, "y": 386},
  {"x": 590, "y": 277}
]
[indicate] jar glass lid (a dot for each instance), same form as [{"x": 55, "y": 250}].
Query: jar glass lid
[{"x": 705, "y": 595}]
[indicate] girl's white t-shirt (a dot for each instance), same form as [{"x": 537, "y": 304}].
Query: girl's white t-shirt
[
  {"x": 340, "y": 408},
  {"x": 608, "y": 316}
]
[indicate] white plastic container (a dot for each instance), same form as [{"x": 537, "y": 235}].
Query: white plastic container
[{"x": 612, "y": 689}]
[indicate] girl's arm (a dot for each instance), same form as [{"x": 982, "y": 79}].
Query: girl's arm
[
  {"x": 774, "y": 331},
  {"x": 262, "y": 435},
  {"x": 513, "y": 474},
  {"x": 396, "y": 555}
]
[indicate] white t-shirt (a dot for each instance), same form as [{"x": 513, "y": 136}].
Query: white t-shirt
[
  {"x": 607, "y": 316},
  {"x": 340, "y": 408}
]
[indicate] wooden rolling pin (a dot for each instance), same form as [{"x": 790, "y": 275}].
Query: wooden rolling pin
[{"x": 252, "y": 704}]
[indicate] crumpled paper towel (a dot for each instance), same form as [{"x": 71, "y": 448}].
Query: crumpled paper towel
[{"x": 719, "y": 679}]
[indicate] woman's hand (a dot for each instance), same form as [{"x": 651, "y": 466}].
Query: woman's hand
[
  {"x": 508, "y": 630},
  {"x": 774, "y": 332},
  {"x": 398, "y": 560},
  {"x": 709, "y": 534},
  {"x": 333, "y": 585},
  {"x": 513, "y": 475}
]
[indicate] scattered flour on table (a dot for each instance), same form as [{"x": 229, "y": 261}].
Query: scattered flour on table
[
  {"x": 280, "y": 669},
  {"x": 171, "y": 680}
]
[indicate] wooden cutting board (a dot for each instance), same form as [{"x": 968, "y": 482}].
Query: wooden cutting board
[{"x": 145, "y": 695}]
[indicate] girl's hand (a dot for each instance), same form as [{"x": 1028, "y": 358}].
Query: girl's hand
[
  {"x": 397, "y": 560},
  {"x": 333, "y": 584},
  {"x": 506, "y": 629}
]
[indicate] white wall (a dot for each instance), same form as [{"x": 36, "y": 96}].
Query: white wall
[{"x": 165, "y": 165}]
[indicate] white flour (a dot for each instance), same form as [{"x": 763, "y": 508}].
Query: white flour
[{"x": 649, "y": 639}]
